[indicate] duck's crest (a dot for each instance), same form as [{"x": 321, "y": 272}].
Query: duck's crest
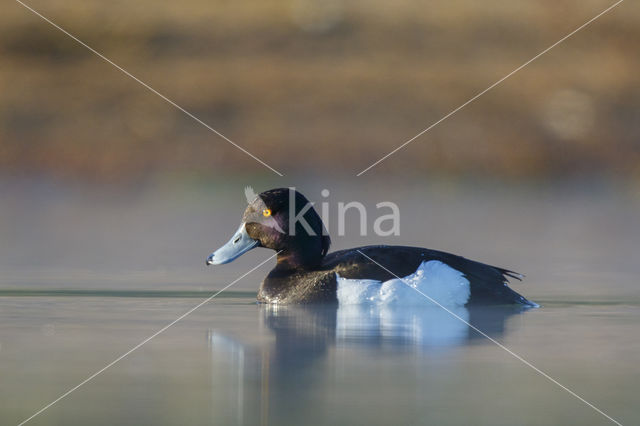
[{"x": 249, "y": 194}]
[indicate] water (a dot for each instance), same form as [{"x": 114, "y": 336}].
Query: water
[
  {"x": 235, "y": 362},
  {"x": 87, "y": 275}
]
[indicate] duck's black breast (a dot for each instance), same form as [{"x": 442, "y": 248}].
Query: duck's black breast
[
  {"x": 299, "y": 286},
  {"x": 488, "y": 284}
]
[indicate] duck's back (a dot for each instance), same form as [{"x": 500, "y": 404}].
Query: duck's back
[{"x": 487, "y": 284}]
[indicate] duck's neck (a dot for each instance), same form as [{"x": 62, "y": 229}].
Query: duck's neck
[{"x": 288, "y": 260}]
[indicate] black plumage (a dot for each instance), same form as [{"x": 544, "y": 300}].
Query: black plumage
[{"x": 306, "y": 273}]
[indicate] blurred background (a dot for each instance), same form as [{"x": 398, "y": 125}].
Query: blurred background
[
  {"x": 328, "y": 85},
  {"x": 106, "y": 185}
]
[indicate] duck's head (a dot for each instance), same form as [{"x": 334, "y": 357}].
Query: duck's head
[{"x": 281, "y": 219}]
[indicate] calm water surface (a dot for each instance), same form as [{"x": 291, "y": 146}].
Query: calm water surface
[
  {"x": 235, "y": 362},
  {"x": 87, "y": 275}
]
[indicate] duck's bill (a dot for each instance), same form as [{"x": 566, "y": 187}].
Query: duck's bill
[{"x": 239, "y": 244}]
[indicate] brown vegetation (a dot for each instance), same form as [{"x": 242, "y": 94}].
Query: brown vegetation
[{"x": 307, "y": 85}]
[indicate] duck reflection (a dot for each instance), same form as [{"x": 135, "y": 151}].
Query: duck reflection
[
  {"x": 298, "y": 360},
  {"x": 306, "y": 329}
]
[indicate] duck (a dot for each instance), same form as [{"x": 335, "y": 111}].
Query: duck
[{"x": 283, "y": 219}]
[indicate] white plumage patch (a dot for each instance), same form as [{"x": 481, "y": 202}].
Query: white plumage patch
[{"x": 446, "y": 285}]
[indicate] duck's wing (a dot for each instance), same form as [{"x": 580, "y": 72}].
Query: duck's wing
[{"x": 488, "y": 284}]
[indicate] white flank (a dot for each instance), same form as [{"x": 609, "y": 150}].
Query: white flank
[{"x": 439, "y": 281}]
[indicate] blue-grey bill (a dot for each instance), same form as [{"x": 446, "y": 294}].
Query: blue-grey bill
[{"x": 239, "y": 244}]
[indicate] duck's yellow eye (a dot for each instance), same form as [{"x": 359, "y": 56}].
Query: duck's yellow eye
[{"x": 266, "y": 212}]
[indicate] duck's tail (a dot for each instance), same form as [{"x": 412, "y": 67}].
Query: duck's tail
[{"x": 517, "y": 298}]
